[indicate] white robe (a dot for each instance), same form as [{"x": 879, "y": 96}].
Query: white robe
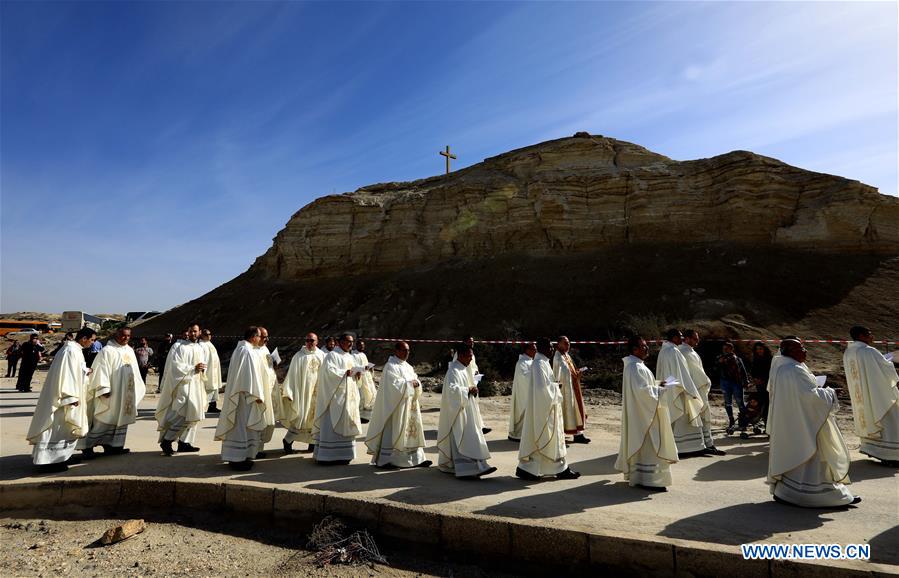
[
  {"x": 182, "y": 401},
  {"x": 337, "y": 421},
  {"x": 242, "y": 420},
  {"x": 686, "y": 402},
  {"x": 460, "y": 441},
  {"x": 875, "y": 400},
  {"x": 521, "y": 384},
  {"x": 703, "y": 385},
  {"x": 298, "y": 394},
  {"x": 58, "y": 422},
  {"x": 776, "y": 362},
  {"x": 573, "y": 409},
  {"x": 272, "y": 392},
  {"x": 366, "y": 384},
  {"x": 395, "y": 433},
  {"x": 114, "y": 373},
  {"x": 542, "y": 449},
  {"x": 647, "y": 447},
  {"x": 808, "y": 462},
  {"x": 213, "y": 371}
]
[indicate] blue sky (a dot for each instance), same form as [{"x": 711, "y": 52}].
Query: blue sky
[{"x": 150, "y": 151}]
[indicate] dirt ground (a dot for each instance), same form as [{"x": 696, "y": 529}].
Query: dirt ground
[{"x": 187, "y": 546}]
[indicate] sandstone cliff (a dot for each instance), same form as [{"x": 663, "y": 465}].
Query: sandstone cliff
[
  {"x": 587, "y": 235},
  {"x": 575, "y": 195}
]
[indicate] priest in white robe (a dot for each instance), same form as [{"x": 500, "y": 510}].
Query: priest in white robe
[
  {"x": 243, "y": 417},
  {"x": 298, "y": 394},
  {"x": 686, "y": 402},
  {"x": 474, "y": 374},
  {"x": 808, "y": 462},
  {"x": 113, "y": 393},
  {"x": 395, "y": 436},
  {"x": 214, "y": 385},
  {"x": 776, "y": 362},
  {"x": 60, "y": 417},
  {"x": 647, "y": 447},
  {"x": 872, "y": 379},
  {"x": 573, "y": 409},
  {"x": 460, "y": 440},
  {"x": 542, "y": 450},
  {"x": 337, "y": 420},
  {"x": 273, "y": 407},
  {"x": 183, "y": 399},
  {"x": 521, "y": 384},
  {"x": 365, "y": 382},
  {"x": 703, "y": 384}
]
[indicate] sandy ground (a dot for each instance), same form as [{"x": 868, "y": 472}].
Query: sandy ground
[
  {"x": 714, "y": 499},
  {"x": 187, "y": 546}
]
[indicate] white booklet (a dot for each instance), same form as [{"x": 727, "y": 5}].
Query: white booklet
[
  {"x": 478, "y": 377},
  {"x": 889, "y": 356},
  {"x": 820, "y": 380},
  {"x": 671, "y": 380},
  {"x": 276, "y": 358}
]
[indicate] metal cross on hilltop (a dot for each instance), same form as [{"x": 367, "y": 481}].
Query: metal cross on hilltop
[{"x": 448, "y": 156}]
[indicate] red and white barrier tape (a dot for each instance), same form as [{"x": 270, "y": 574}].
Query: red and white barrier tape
[{"x": 573, "y": 342}]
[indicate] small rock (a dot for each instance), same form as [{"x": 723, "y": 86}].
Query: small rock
[{"x": 122, "y": 532}]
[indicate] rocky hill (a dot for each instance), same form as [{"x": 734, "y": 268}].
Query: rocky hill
[{"x": 588, "y": 235}]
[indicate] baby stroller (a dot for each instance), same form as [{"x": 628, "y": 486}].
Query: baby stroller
[{"x": 753, "y": 416}]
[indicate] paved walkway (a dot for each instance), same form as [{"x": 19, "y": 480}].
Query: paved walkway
[{"x": 721, "y": 500}]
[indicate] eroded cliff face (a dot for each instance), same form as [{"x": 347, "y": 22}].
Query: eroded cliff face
[{"x": 580, "y": 194}]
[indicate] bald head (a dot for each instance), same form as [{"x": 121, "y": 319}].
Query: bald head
[{"x": 793, "y": 348}]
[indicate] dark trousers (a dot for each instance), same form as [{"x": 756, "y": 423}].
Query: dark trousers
[
  {"x": 143, "y": 373},
  {"x": 159, "y": 371},
  {"x": 26, "y": 372},
  {"x": 11, "y": 364}
]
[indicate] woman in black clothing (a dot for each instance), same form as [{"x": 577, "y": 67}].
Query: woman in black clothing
[{"x": 761, "y": 367}]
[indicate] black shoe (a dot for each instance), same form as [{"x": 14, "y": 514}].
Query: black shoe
[
  {"x": 486, "y": 472},
  {"x": 212, "y": 408},
  {"x": 425, "y": 464},
  {"x": 333, "y": 463},
  {"x": 653, "y": 488},
  {"x": 363, "y": 420},
  {"x": 311, "y": 448},
  {"x": 713, "y": 451},
  {"x": 520, "y": 473},
  {"x": 730, "y": 429},
  {"x": 52, "y": 468},
  {"x": 387, "y": 466},
  {"x": 744, "y": 435},
  {"x": 568, "y": 474},
  {"x": 166, "y": 446},
  {"x": 186, "y": 448},
  {"x": 73, "y": 460},
  {"x": 580, "y": 439},
  {"x": 114, "y": 451},
  {"x": 511, "y": 439},
  {"x": 288, "y": 447},
  {"x": 243, "y": 466},
  {"x": 486, "y": 430},
  {"x": 261, "y": 455},
  {"x": 88, "y": 454},
  {"x": 855, "y": 500}
]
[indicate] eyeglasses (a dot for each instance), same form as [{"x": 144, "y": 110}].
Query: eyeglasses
[{"x": 310, "y": 341}]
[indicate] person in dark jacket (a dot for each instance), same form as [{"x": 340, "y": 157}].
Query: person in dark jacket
[
  {"x": 31, "y": 354},
  {"x": 759, "y": 370},
  {"x": 733, "y": 378},
  {"x": 13, "y": 352}
]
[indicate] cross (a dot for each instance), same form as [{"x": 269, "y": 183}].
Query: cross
[{"x": 448, "y": 156}]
